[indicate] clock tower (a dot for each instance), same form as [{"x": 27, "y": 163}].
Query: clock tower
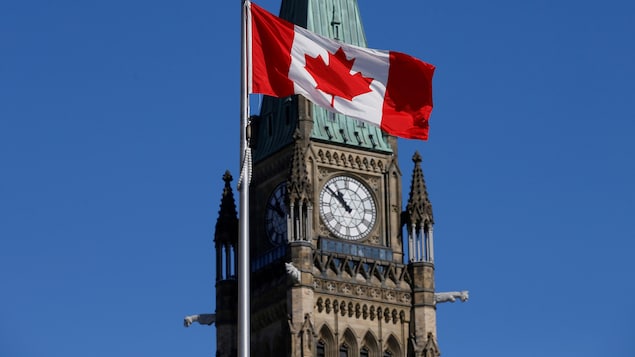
[{"x": 331, "y": 272}]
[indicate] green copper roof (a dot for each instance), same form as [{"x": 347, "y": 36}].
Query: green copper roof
[{"x": 336, "y": 19}]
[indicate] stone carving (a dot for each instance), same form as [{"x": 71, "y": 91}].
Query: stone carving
[
  {"x": 375, "y": 293},
  {"x": 346, "y": 288},
  {"x": 351, "y": 309},
  {"x": 340, "y": 159},
  {"x": 292, "y": 272},
  {"x": 320, "y": 304},
  {"x": 302, "y": 337},
  {"x": 203, "y": 319},
  {"x": 427, "y": 349},
  {"x": 451, "y": 296},
  {"x": 330, "y": 286}
]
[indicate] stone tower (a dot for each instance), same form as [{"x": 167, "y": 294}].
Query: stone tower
[
  {"x": 330, "y": 273},
  {"x": 226, "y": 244}
]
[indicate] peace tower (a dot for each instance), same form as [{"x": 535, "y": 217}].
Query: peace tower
[{"x": 331, "y": 272}]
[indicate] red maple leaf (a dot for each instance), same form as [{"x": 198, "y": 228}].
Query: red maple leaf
[{"x": 335, "y": 78}]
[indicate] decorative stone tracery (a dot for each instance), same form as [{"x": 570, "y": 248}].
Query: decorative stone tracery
[
  {"x": 355, "y": 310},
  {"x": 359, "y": 162}
]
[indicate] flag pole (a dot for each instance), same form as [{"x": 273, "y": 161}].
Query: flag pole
[{"x": 244, "y": 325}]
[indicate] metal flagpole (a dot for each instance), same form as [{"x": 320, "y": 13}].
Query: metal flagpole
[{"x": 243, "y": 186}]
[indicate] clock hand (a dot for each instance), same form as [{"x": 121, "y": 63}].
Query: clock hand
[
  {"x": 340, "y": 197},
  {"x": 277, "y": 208},
  {"x": 346, "y": 206}
]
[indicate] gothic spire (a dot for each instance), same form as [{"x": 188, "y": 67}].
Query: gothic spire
[
  {"x": 298, "y": 186},
  {"x": 227, "y": 222},
  {"x": 431, "y": 347},
  {"x": 419, "y": 208}
]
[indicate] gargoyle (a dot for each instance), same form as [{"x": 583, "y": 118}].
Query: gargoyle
[
  {"x": 203, "y": 319},
  {"x": 451, "y": 296},
  {"x": 292, "y": 272}
]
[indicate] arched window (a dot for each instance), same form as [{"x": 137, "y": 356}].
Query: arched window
[
  {"x": 370, "y": 346},
  {"x": 392, "y": 347},
  {"x": 344, "y": 350},
  {"x": 363, "y": 352},
  {"x": 349, "y": 344},
  {"x": 321, "y": 349},
  {"x": 325, "y": 343}
]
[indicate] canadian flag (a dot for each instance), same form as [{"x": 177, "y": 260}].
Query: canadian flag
[{"x": 386, "y": 88}]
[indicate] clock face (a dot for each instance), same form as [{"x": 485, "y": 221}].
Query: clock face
[
  {"x": 347, "y": 208},
  {"x": 276, "y": 215}
]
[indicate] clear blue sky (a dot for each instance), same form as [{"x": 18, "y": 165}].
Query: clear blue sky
[{"x": 119, "y": 118}]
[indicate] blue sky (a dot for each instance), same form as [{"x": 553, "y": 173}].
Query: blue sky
[{"x": 119, "y": 118}]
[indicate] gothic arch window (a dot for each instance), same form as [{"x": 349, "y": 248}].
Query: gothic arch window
[
  {"x": 320, "y": 349},
  {"x": 326, "y": 343},
  {"x": 364, "y": 352},
  {"x": 350, "y": 342},
  {"x": 392, "y": 347},
  {"x": 344, "y": 350},
  {"x": 370, "y": 346}
]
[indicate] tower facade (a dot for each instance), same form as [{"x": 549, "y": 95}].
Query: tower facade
[{"x": 331, "y": 272}]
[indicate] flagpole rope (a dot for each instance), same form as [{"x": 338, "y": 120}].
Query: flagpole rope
[{"x": 245, "y": 170}]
